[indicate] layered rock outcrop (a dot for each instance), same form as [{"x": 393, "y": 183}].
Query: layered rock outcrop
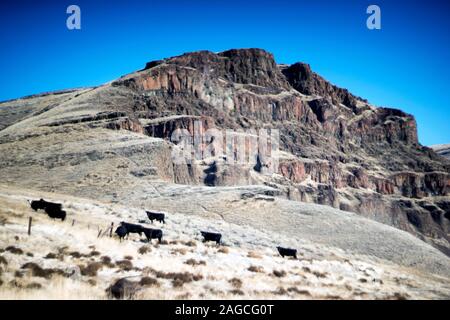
[{"x": 342, "y": 151}]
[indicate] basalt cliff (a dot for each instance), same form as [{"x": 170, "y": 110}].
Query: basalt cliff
[{"x": 336, "y": 149}]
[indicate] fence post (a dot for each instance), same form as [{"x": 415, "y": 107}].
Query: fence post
[
  {"x": 29, "y": 225},
  {"x": 73, "y": 222},
  {"x": 111, "y": 230},
  {"x": 99, "y": 233}
]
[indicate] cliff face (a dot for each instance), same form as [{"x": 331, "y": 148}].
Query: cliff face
[
  {"x": 342, "y": 151},
  {"x": 337, "y": 149}
]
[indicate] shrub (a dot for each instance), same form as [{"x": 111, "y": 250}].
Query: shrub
[
  {"x": 3, "y": 260},
  {"x": 254, "y": 255},
  {"x": 223, "y": 250},
  {"x": 256, "y": 269},
  {"x": 184, "y": 296},
  {"x": 94, "y": 253},
  {"x": 296, "y": 290},
  {"x": 91, "y": 269},
  {"x": 280, "y": 291},
  {"x": 400, "y": 296},
  {"x": 14, "y": 283},
  {"x": 3, "y": 221},
  {"x": 176, "y": 283},
  {"x": 190, "y": 243},
  {"x": 75, "y": 254},
  {"x": 193, "y": 262},
  {"x": 18, "y": 274},
  {"x": 105, "y": 259},
  {"x": 37, "y": 271},
  {"x": 128, "y": 258},
  {"x": 179, "y": 278},
  {"x": 236, "y": 282},
  {"x": 29, "y": 254},
  {"x": 92, "y": 282},
  {"x": 14, "y": 250},
  {"x": 319, "y": 274},
  {"x": 181, "y": 251},
  {"x": 144, "y": 249},
  {"x": 107, "y": 262},
  {"x": 148, "y": 270},
  {"x": 237, "y": 292},
  {"x": 279, "y": 273},
  {"x": 148, "y": 281},
  {"x": 60, "y": 272},
  {"x": 33, "y": 285},
  {"x": 197, "y": 277},
  {"x": 125, "y": 265},
  {"x": 51, "y": 256}
]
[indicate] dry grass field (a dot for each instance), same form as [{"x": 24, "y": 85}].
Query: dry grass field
[{"x": 77, "y": 259}]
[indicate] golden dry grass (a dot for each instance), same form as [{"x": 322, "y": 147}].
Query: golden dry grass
[
  {"x": 59, "y": 288},
  {"x": 183, "y": 269}
]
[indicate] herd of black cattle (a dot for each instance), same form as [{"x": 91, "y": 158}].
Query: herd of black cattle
[{"x": 54, "y": 211}]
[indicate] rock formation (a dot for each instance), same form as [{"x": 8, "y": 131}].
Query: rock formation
[{"x": 336, "y": 148}]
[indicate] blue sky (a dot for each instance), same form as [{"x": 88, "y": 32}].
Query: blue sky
[{"x": 405, "y": 65}]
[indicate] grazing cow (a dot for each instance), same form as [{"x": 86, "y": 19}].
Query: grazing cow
[
  {"x": 153, "y": 234},
  {"x": 211, "y": 236},
  {"x": 158, "y": 216},
  {"x": 121, "y": 231},
  {"x": 132, "y": 228},
  {"x": 55, "y": 212},
  {"x": 38, "y": 204},
  {"x": 42, "y": 204},
  {"x": 286, "y": 252}
]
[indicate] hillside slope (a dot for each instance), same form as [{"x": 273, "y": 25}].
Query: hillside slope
[{"x": 77, "y": 259}]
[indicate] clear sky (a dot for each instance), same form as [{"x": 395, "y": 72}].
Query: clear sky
[{"x": 405, "y": 65}]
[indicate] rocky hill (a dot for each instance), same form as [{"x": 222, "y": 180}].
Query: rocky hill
[{"x": 112, "y": 143}]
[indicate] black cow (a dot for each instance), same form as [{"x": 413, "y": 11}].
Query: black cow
[
  {"x": 158, "y": 216},
  {"x": 132, "y": 228},
  {"x": 286, "y": 252},
  {"x": 211, "y": 236},
  {"x": 42, "y": 204},
  {"x": 38, "y": 204},
  {"x": 121, "y": 231},
  {"x": 55, "y": 212},
  {"x": 153, "y": 234}
]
